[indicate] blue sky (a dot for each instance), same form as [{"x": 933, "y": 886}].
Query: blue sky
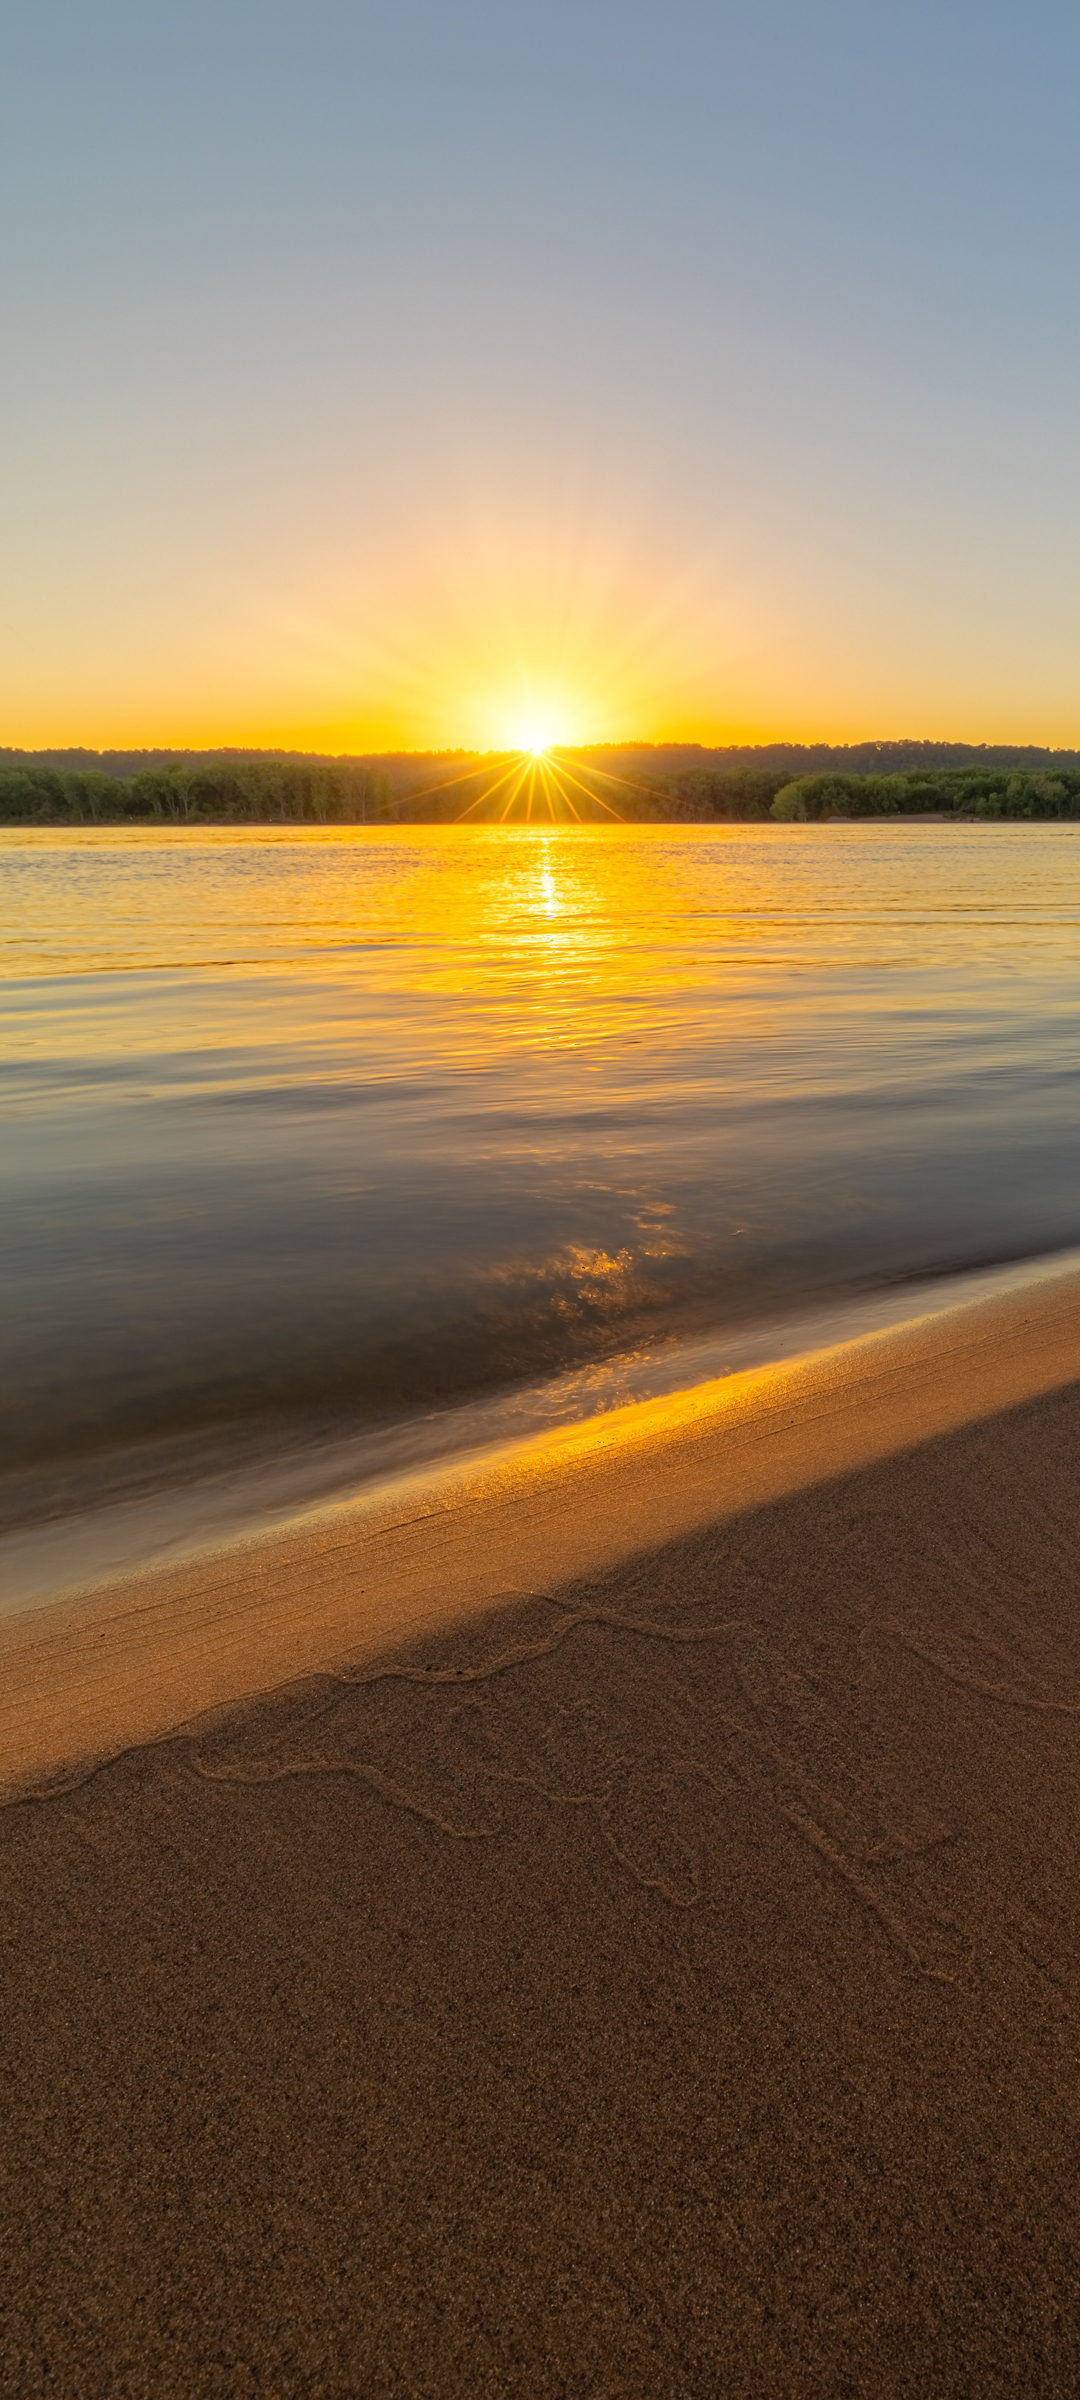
[{"x": 389, "y": 373}]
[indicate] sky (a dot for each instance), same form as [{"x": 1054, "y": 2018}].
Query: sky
[{"x": 462, "y": 372}]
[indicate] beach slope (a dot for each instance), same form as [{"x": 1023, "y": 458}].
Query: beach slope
[{"x": 647, "y": 1968}]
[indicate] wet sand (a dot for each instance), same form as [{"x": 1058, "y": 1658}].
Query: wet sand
[{"x": 662, "y": 1982}]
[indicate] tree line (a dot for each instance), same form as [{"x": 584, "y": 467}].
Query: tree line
[
  {"x": 262, "y": 794},
  {"x": 411, "y": 791},
  {"x": 981, "y": 793}
]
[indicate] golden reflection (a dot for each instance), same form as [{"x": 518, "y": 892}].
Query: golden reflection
[
  {"x": 569, "y": 936},
  {"x": 555, "y": 937}
]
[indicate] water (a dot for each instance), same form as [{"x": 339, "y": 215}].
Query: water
[{"x": 333, "y": 1125}]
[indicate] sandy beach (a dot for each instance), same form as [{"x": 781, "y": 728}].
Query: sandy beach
[{"x": 609, "y": 1930}]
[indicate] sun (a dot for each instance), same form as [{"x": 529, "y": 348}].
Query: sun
[{"x": 536, "y": 740}]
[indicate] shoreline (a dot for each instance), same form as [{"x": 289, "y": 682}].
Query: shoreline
[
  {"x": 126, "y": 1660},
  {"x": 68, "y": 1526},
  {"x": 662, "y": 1980}
]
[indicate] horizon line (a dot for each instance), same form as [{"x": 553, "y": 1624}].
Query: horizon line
[{"x": 255, "y": 751}]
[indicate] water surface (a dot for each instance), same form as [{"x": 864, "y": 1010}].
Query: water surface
[{"x": 340, "y": 1122}]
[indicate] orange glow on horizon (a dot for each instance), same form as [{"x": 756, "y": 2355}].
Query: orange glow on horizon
[{"x": 481, "y": 631}]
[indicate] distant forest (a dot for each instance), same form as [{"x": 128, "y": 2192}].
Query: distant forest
[{"x": 640, "y": 782}]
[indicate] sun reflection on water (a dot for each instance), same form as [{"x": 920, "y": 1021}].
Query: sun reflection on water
[{"x": 399, "y": 1111}]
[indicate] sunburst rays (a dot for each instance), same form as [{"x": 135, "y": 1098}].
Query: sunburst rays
[{"x": 536, "y": 787}]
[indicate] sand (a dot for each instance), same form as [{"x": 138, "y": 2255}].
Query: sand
[{"x": 661, "y": 1982}]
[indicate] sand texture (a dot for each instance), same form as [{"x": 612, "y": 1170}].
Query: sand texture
[{"x": 665, "y": 1984}]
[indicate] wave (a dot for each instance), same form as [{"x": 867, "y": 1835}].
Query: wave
[{"x": 162, "y": 1500}]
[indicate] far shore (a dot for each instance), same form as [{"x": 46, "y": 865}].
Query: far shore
[
  {"x": 282, "y": 822},
  {"x": 635, "y": 783}
]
